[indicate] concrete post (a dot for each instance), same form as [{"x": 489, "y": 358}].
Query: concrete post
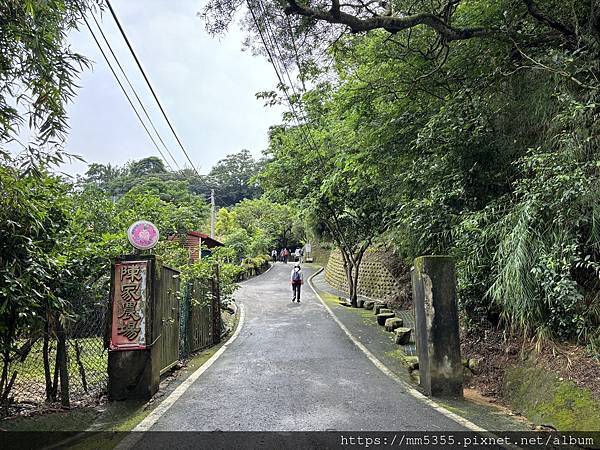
[
  {"x": 437, "y": 335},
  {"x": 135, "y": 373}
]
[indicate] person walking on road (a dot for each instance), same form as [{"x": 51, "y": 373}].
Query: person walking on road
[
  {"x": 297, "y": 280},
  {"x": 274, "y": 255},
  {"x": 285, "y": 254}
]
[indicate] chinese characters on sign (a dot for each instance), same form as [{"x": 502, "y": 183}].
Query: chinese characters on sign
[{"x": 128, "y": 321}]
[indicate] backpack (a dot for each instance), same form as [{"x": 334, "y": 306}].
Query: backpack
[{"x": 296, "y": 276}]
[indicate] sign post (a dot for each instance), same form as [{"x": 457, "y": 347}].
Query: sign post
[{"x": 134, "y": 325}]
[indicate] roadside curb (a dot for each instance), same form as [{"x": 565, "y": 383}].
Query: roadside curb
[
  {"x": 145, "y": 425},
  {"x": 412, "y": 391},
  {"x": 256, "y": 276}
]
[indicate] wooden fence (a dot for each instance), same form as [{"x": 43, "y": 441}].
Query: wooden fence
[
  {"x": 168, "y": 308},
  {"x": 190, "y": 316}
]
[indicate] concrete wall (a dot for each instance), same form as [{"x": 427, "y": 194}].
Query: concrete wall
[{"x": 381, "y": 276}]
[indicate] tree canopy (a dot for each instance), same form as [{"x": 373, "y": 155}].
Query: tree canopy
[
  {"x": 38, "y": 74},
  {"x": 469, "y": 128}
]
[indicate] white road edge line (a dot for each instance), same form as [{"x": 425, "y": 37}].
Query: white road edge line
[
  {"x": 164, "y": 406},
  {"x": 412, "y": 391}
]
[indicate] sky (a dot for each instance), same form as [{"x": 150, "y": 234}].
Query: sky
[{"x": 206, "y": 85}]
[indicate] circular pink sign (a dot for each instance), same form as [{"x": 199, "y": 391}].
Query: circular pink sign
[{"x": 143, "y": 235}]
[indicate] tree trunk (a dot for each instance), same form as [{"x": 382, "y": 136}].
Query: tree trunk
[
  {"x": 80, "y": 366},
  {"x": 352, "y": 282},
  {"x": 61, "y": 359},
  {"x": 354, "y": 289},
  {"x": 9, "y": 336},
  {"x": 46, "y": 360}
]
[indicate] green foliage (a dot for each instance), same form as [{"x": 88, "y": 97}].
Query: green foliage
[
  {"x": 254, "y": 227},
  {"x": 485, "y": 149},
  {"x": 232, "y": 178},
  {"x": 38, "y": 72}
]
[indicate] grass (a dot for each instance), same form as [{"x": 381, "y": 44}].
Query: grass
[
  {"x": 105, "y": 424},
  {"x": 93, "y": 355},
  {"x": 30, "y": 383}
]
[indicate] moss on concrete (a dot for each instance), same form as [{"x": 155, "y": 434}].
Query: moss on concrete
[
  {"x": 405, "y": 359},
  {"x": 545, "y": 399},
  {"x": 329, "y": 298}
]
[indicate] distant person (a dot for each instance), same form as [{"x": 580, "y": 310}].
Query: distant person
[
  {"x": 286, "y": 255},
  {"x": 274, "y": 255},
  {"x": 297, "y": 280},
  {"x": 297, "y": 255}
]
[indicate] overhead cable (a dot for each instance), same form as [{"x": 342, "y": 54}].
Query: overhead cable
[
  {"x": 125, "y": 92},
  {"x": 133, "y": 89},
  {"x": 132, "y": 51}
]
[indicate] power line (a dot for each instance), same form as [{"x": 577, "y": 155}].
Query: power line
[
  {"x": 114, "y": 15},
  {"x": 273, "y": 39},
  {"x": 274, "y": 43},
  {"x": 133, "y": 89},
  {"x": 269, "y": 53},
  {"x": 124, "y": 91},
  {"x": 282, "y": 83}
]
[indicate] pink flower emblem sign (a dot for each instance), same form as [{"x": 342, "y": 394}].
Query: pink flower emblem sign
[{"x": 143, "y": 235}]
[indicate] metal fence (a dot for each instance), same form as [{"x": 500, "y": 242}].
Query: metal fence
[
  {"x": 196, "y": 324},
  {"x": 200, "y": 313},
  {"x": 75, "y": 343},
  {"x": 190, "y": 321}
]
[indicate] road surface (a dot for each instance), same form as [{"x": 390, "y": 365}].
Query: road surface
[{"x": 293, "y": 369}]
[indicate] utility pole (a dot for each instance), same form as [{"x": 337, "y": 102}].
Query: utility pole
[{"x": 212, "y": 213}]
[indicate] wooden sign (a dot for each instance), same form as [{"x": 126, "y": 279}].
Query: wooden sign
[{"x": 128, "y": 306}]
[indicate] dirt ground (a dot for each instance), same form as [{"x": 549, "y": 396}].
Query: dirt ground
[{"x": 496, "y": 352}]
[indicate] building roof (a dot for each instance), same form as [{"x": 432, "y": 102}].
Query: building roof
[{"x": 208, "y": 241}]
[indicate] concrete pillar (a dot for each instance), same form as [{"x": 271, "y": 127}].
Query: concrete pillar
[
  {"x": 436, "y": 329},
  {"x": 135, "y": 373}
]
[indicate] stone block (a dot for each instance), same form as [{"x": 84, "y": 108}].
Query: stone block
[
  {"x": 377, "y": 307},
  {"x": 385, "y": 310},
  {"x": 393, "y": 323},
  {"x": 369, "y": 304},
  {"x": 344, "y": 302},
  {"x": 473, "y": 365},
  {"x": 415, "y": 376},
  {"x": 381, "y": 318},
  {"x": 402, "y": 335},
  {"x": 436, "y": 317}
]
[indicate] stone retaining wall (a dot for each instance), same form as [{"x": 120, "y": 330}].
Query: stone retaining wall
[{"x": 376, "y": 277}]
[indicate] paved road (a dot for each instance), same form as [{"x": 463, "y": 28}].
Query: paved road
[{"x": 292, "y": 368}]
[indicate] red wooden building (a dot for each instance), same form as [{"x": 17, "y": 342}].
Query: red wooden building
[{"x": 194, "y": 241}]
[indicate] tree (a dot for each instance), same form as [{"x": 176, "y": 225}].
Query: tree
[
  {"x": 279, "y": 221},
  {"x": 102, "y": 175},
  {"x": 305, "y": 30},
  {"x": 232, "y": 178},
  {"x": 38, "y": 71},
  {"x": 147, "y": 166},
  {"x": 334, "y": 187}
]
